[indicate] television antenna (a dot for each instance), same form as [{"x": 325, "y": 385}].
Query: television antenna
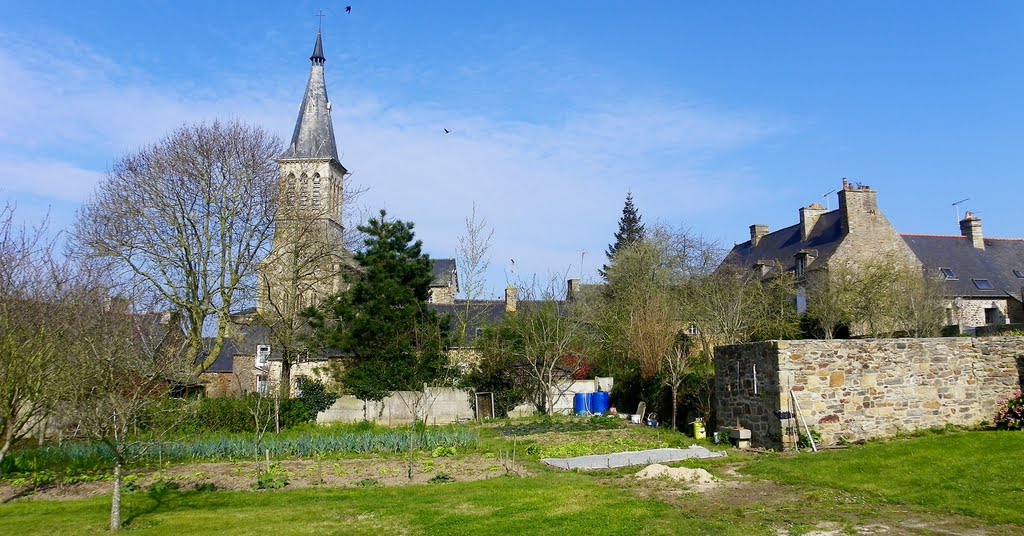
[
  {"x": 956, "y": 208},
  {"x": 827, "y": 205}
]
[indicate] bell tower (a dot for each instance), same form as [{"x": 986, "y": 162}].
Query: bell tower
[{"x": 308, "y": 252}]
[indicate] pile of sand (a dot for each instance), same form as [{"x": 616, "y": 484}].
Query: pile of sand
[{"x": 695, "y": 476}]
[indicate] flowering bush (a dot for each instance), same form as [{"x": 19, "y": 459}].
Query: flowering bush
[{"x": 1011, "y": 413}]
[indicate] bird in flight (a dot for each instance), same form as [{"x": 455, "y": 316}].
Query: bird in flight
[
  {"x": 348, "y": 9},
  {"x": 446, "y": 131}
]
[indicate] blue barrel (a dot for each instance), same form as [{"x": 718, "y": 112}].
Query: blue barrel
[
  {"x": 601, "y": 403},
  {"x": 581, "y": 404}
]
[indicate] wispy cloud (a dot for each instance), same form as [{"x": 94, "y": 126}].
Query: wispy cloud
[{"x": 550, "y": 188}]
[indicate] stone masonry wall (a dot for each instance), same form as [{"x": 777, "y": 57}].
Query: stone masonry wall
[
  {"x": 737, "y": 402},
  {"x": 860, "y": 389},
  {"x": 972, "y": 311}
]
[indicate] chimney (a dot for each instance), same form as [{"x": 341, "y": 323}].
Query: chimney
[
  {"x": 510, "y": 299},
  {"x": 757, "y": 232},
  {"x": 572, "y": 290},
  {"x": 808, "y": 219},
  {"x": 858, "y": 207},
  {"x": 971, "y": 228}
]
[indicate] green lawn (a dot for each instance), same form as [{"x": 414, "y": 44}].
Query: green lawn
[
  {"x": 977, "y": 474},
  {"x": 555, "y": 503}
]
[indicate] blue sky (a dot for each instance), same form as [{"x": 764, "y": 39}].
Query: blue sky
[{"x": 715, "y": 115}]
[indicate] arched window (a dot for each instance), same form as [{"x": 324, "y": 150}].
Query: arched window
[
  {"x": 316, "y": 190},
  {"x": 290, "y": 190},
  {"x": 304, "y": 191}
]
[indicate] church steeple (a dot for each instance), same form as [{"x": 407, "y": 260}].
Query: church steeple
[
  {"x": 313, "y": 137},
  {"x": 318, "y": 51}
]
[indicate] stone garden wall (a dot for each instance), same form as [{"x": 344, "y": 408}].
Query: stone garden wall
[{"x": 860, "y": 389}]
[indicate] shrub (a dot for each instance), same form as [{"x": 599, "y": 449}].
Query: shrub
[
  {"x": 440, "y": 478},
  {"x": 444, "y": 452},
  {"x": 805, "y": 442},
  {"x": 275, "y": 477},
  {"x": 1010, "y": 415}
]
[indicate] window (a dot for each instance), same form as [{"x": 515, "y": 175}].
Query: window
[
  {"x": 1019, "y": 273},
  {"x": 948, "y": 273},
  {"x": 983, "y": 284},
  {"x": 262, "y": 386},
  {"x": 262, "y": 355}
]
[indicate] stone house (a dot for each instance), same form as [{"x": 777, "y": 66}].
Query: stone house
[{"x": 981, "y": 278}]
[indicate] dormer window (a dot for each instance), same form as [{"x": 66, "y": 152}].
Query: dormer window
[
  {"x": 1019, "y": 273},
  {"x": 949, "y": 274},
  {"x": 983, "y": 284}
]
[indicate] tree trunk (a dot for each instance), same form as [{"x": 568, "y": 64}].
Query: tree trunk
[
  {"x": 115, "y": 501},
  {"x": 675, "y": 405},
  {"x": 5, "y": 448},
  {"x": 285, "y": 389}
]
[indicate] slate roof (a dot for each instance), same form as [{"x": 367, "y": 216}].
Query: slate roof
[
  {"x": 484, "y": 312},
  {"x": 443, "y": 271},
  {"x": 996, "y": 263},
  {"x": 225, "y": 358},
  {"x": 313, "y": 137},
  {"x": 784, "y": 244}
]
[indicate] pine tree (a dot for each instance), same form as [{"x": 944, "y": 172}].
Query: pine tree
[
  {"x": 631, "y": 231},
  {"x": 395, "y": 341}
]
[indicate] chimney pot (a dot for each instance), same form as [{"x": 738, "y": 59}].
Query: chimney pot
[
  {"x": 971, "y": 228},
  {"x": 572, "y": 290},
  {"x": 510, "y": 299},
  {"x": 757, "y": 232},
  {"x": 808, "y": 219}
]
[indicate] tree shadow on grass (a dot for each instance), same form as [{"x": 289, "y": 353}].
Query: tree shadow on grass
[{"x": 160, "y": 498}]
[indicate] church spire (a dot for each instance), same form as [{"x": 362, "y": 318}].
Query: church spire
[
  {"x": 318, "y": 51},
  {"x": 313, "y": 137}
]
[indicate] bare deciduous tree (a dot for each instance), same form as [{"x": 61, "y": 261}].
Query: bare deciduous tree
[
  {"x": 880, "y": 297},
  {"x": 733, "y": 305},
  {"x": 33, "y": 329},
  {"x": 473, "y": 256},
  {"x": 303, "y": 267},
  {"x": 124, "y": 363},
  {"x": 190, "y": 215},
  {"x": 544, "y": 338}
]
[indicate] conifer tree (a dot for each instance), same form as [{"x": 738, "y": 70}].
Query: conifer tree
[
  {"x": 631, "y": 232},
  {"x": 396, "y": 342}
]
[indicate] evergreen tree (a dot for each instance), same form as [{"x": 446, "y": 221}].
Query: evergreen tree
[
  {"x": 394, "y": 340},
  {"x": 630, "y": 232}
]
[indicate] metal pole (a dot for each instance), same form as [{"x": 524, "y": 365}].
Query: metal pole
[{"x": 803, "y": 420}]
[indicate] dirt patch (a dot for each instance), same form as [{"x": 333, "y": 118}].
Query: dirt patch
[
  {"x": 300, "y": 474},
  {"x": 796, "y": 510}
]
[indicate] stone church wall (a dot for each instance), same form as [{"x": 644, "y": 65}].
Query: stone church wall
[{"x": 861, "y": 389}]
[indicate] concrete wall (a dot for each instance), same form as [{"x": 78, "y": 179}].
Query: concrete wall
[
  {"x": 440, "y": 405},
  {"x": 860, "y": 389}
]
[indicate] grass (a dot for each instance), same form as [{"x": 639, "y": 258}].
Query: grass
[
  {"x": 557, "y": 503},
  {"x": 971, "y": 473},
  {"x": 930, "y": 481}
]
